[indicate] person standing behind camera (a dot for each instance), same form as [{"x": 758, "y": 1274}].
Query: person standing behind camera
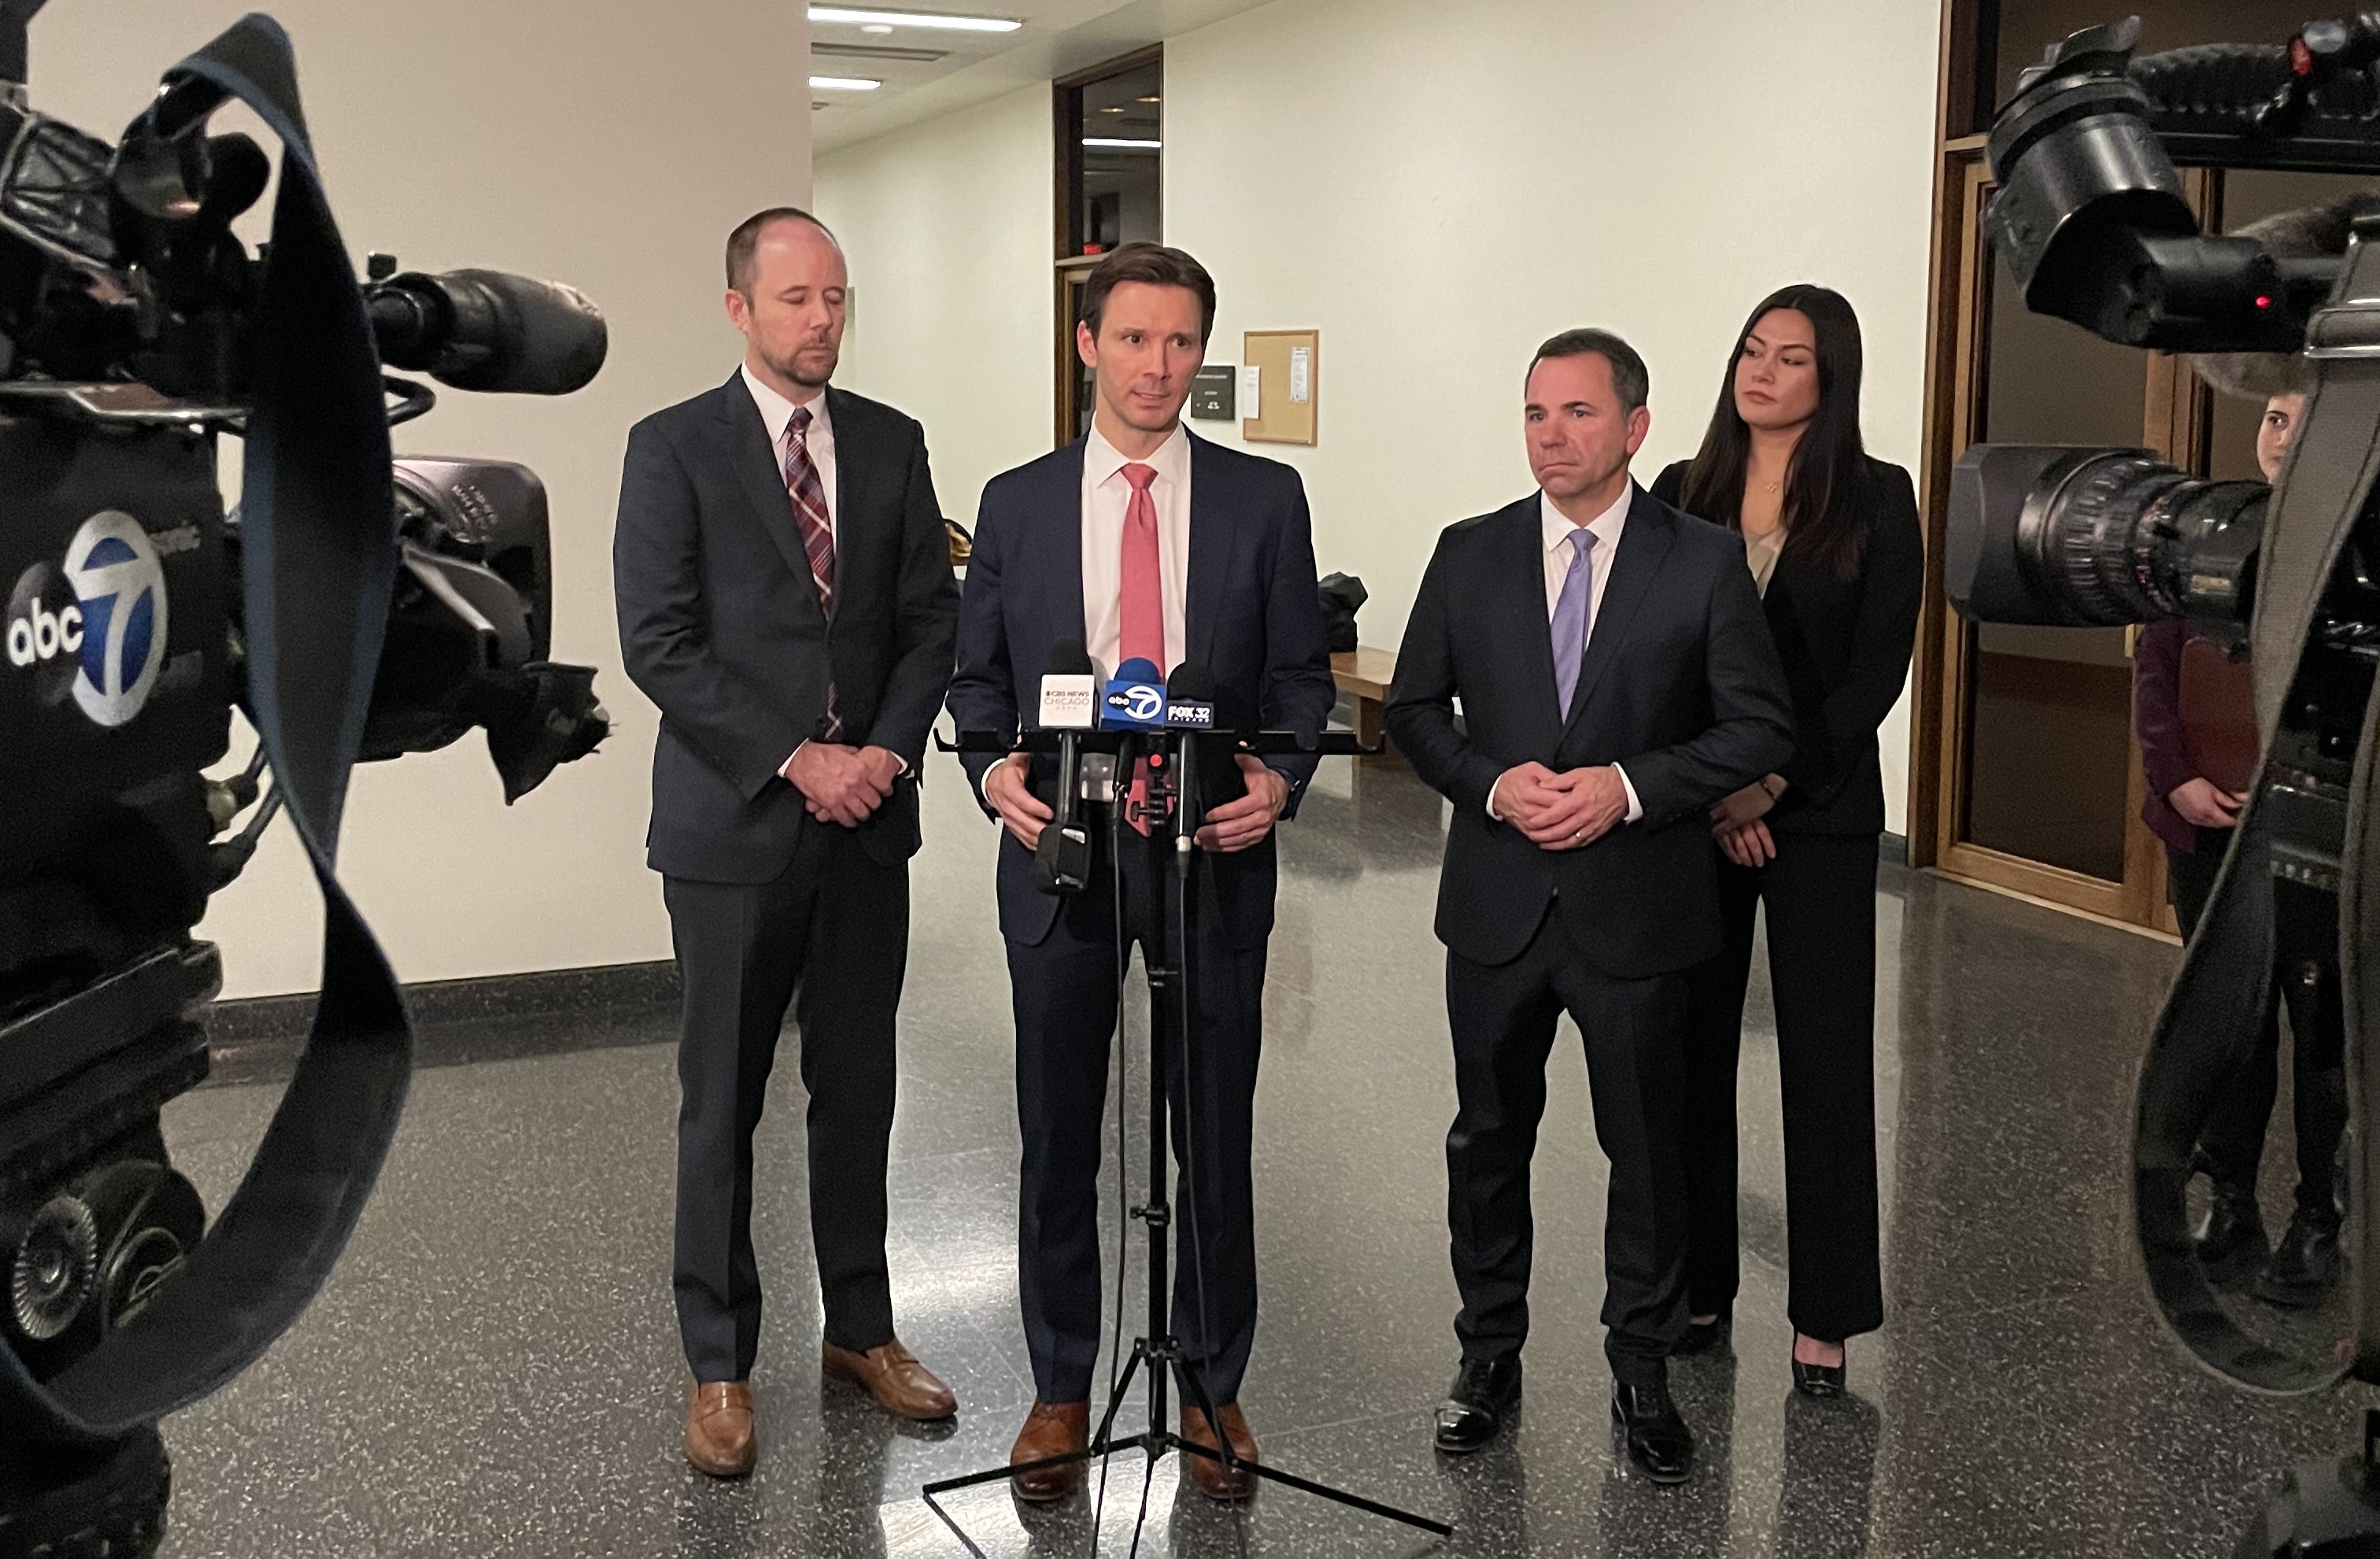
[
  {"x": 1833, "y": 541},
  {"x": 785, "y": 596},
  {"x": 2194, "y": 711}
]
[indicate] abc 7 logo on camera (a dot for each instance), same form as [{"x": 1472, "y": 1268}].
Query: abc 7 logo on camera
[{"x": 92, "y": 627}]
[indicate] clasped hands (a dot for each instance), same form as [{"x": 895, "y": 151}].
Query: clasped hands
[
  {"x": 1228, "y": 828},
  {"x": 1739, "y": 822},
  {"x": 842, "y": 784},
  {"x": 1563, "y": 811}
]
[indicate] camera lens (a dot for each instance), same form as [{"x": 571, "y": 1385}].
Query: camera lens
[
  {"x": 55, "y": 1269},
  {"x": 2085, "y": 538}
]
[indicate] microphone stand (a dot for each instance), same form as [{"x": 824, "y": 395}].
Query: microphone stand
[{"x": 1168, "y": 962}]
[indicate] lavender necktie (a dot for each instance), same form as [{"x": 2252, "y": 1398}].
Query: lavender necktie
[{"x": 1573, "y": 611}]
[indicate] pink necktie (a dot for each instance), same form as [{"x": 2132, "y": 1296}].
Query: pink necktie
[
  {"x": 1143, "y": 596},
  {"x": 1142, "y": 604}
]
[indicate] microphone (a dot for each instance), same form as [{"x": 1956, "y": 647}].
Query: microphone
[
  {"x": 488, "y": 329},
  {"x": 1062, "y": 863},
  {"x": 1205, "y": 771},
  {"x": 1134, "y": 698}
]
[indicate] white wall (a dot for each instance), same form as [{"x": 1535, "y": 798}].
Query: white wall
[
  {"x": 1437, "y": 190},
  {"x": 947, "y": 225},
  {"x": 609, "y": 143}
]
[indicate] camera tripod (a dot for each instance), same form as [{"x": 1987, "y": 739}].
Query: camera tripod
[{"x": 1156, "y": 1355}]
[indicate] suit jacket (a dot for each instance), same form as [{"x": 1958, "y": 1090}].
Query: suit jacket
[
  {"x": 721, "y": 626},
  {"x": 1845, "y": 646},
  {"x": 1680, "y": 687},
  {"x": 1253, "y": 620}
]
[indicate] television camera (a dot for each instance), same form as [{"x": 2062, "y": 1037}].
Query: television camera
[{"x": 352, "y": 608}]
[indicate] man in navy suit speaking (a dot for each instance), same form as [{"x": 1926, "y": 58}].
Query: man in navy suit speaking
[{"x": 1140, "y": 541}]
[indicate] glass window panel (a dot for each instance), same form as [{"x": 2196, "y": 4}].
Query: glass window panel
[
  {"x": 1121, "y": 127},
  {"x": 2049, "y": 711}
]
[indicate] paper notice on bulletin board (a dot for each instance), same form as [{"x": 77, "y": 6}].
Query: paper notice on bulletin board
[{"x": 1288, "y": 365}]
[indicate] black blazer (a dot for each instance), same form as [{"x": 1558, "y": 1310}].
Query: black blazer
[
  {"x": 1845, "y": 644},
  {"x": 721, "y": 626},
  {"x": 1681, "y": 687},
  {"x": 1252, "y": 619}
]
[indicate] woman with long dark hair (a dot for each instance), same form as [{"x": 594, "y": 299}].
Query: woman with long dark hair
[{"x": 1832, "y": 540}]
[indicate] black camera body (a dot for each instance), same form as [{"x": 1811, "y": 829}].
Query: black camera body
[
  {"x": 2091, "y": 219},
  {"x": 361, "y": 609},
  {"x": 115, "y": 695}
]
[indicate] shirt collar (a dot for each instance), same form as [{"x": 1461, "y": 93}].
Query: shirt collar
[
  {"x": 1556, "y": 528},
  {"x": 776, "y": 411},
  {"x": 1171, "y": 459}
]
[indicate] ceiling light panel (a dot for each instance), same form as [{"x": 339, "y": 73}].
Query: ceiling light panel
[
  {"x": 879, "y": 51},
  {"x": 844, "y": 83},
  {"x": 851, "y": 15}
]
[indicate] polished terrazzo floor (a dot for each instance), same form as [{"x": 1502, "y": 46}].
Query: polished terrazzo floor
[{"x": 494, "y": 1369}]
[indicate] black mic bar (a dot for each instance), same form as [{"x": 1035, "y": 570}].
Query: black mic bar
[{"x": 1261, "y": 743}]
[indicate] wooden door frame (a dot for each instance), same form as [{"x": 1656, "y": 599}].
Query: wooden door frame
[
  {"x": 2176, "y": 412},
  {"x": 1066, "y": 144}
]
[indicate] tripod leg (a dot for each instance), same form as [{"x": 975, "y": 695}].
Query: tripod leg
[
  {"x": 1194, "y": 1390},
  {"x": 1100, "y": 1443}
]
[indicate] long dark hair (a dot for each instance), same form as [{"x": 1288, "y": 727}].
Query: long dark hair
[{"x": 1825, "y": 486}]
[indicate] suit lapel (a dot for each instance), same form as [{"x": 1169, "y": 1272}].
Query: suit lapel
[
  {"x": 1643, "y": 543},
  {"x": 1212, "y": 534},
  {"x": 1056, "y": 530},
  {"x": 853, "y": 466},
  {"x": 764, "y": 482},
  {"x": 1523, "y": 601}
]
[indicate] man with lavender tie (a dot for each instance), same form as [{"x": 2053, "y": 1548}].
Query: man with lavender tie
[
  {"x": 1140, "y": 541},
  {"x": 1616, "y": 677},
  {"x": 785, "y": 599}
]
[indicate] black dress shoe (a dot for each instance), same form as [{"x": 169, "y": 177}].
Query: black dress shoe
[
  {"x": 2305, "y": 1264},
  {"x": 1658, "y": 1439},
  {"x": 1483, "y": 1396},
  {"x": 1821, "y": 1382},
  {"x": 1705, "y": 1336},
  {"x": 2230, "y": 1244}
]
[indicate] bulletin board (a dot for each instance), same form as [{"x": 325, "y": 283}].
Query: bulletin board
[{"x": 1289, "y": 378}]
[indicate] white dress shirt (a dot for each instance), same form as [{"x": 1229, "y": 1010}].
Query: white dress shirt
[
  {"x": 776, "y": 411},
  {"x": 1106, "y": 493},
  {"x": 1555, "y": 527}
]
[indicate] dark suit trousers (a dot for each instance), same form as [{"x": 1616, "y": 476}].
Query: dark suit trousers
[
  {"x": 1503, "y": 1019},
  {"x": 1066, "y": 991},
  {"x": 829, "y": 938},
  {"x": 2305, "y": 978},
  {"x": 1820, "y": 895}
]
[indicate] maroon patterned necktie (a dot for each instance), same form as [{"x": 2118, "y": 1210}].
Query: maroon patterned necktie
[{"x": 817, "y": 533}]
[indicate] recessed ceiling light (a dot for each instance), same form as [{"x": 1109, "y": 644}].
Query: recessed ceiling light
[
  {"x": 844, "y": 84},
  {"x": 879, "y": 28},
  {"x": 1110, "y": 110},
  {"x": 1150, "y": 98},
  {"x": 855, "y": 17},
  {"x": 1110, "y": 143}
]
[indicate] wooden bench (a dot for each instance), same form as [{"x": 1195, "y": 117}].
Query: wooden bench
[{"x": 1364, "y": 675}]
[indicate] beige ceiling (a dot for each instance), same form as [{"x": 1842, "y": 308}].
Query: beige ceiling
[{"x": 1058, "y": 37}]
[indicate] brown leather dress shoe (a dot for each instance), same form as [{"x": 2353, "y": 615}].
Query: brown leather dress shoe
[
  {"x": 1051, "y": 1429},
  {"x": 892, "y": 1375},
  {"x": 1214, "y": 1480},
  {"x": 718, "y": 1438}
]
